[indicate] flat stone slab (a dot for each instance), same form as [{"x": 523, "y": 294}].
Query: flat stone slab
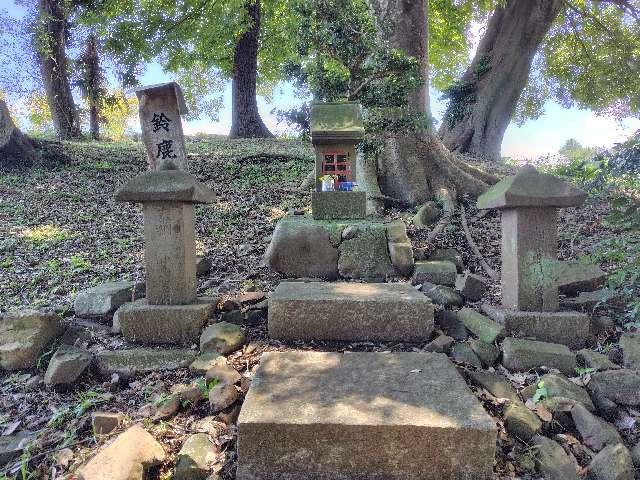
[
  {"x": 141, "y": 361},
  {"x": 106, "y": 298},
  {"x": 364, "y": 416},
  {"x": 566, "y": 328},
  {"x": 157, "y": 324},
  {"x": 338, "y": 205},
  {"x": 349, "y": 312},
  {"x": 521, "y": 355}
]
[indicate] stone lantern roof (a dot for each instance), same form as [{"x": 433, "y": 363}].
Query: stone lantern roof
[
  {"x": 332, "y": 122},
  {"x": 530, "y": 188},
  {"x": 168, "y": 184},
  {"x": 161, "y": 89}
]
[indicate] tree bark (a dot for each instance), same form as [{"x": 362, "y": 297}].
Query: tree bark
[
  {"x": 93, "y": 79},
  {"x": 483, "y": 102},
  {"x": 16, "y": 149},
  {"x": 51, "y": 41},
  {"x": 245, "y": 119},
  {"x": 415, "y": 167}
]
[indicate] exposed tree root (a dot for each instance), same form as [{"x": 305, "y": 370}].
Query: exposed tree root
[
  {"x": 448, "y": 208},
  {"x": 474, "y": 248}
]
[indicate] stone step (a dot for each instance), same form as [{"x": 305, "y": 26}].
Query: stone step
[
  {"x": 365, "y": 416},
  {"x": 349, "y": 312}
]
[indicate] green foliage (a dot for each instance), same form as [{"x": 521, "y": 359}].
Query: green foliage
[
  {"x": 205, "y": 386},
  {"x": 541, "y": 392},
  {"x": 584, "y": 371}
]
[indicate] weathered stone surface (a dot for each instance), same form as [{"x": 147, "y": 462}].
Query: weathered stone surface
[
  {"x": 530, "y": 188},
  {"x": 300, "y": 248},
  {"x": 221, "y": 396},
  {"x": 635, "y": 455},
  {"x": 441, "y": 344},
  {"x": 67, "y": 365},
  {"x": 427, "y": 215},
  {"x": 495, "y": 384},
  {"x": 442, "y": 295},
  {"x": 552, "y": 460},
  {"x": 366, "y": 256},
  {"x": 195, "y": 458},
  {"x": 612, "y": 463},
  {"x": 438, "y": 272},
  {"x": 397, "y": 232},
  {"x": 450, "y": 324},
  {"x": 104, "y": 423},
  {"x": 401, "y": 255},
  {"x": 128, "y": 457},
  {"x": 331, "y": 122},
  {"x": 143, "y": 323},
  {"x": 339, "y": 205},
  {"x": 630, "y": 345},
  {"x": 448, "y": 255},
  {"x": 559, "y": 386},
  {"x": 484, "y": 328},
  {"x": 521, "y": 422},
  {"x": 488, "y": 353},
  {"x": 473, "y": 287},
  {"x": 23, "y": 335},
  {"x": 576, "y": 276},
  {"x": 463, "y": 353},
  {"x": 588, "y": 301},
  {"x": 566, "y": 328},
  {"x": 349, "y": 312},
  {"x": 106, "y": 298},
  {"x": 222, "y": 337},
  {"x": 522, "y": 355},
  {"x": 223, "y": 373},
  {"x": 323, "y": 407},
  {"x": 595, "y": 432},
  {"x": 13, "y": 445},
  {"x": 140, "y": 361},
  {"x": 83, "y": 331},
  {"x": 620, "y": 386},
  {"x": 205, "y": 361},
  {"x": 589, "y": 359}
]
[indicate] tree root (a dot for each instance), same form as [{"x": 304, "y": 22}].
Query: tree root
[
  {"x": 474, "y": 248},
  {"x": 448, "y": 208}
]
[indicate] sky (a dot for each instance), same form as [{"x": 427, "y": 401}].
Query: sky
[{"x": 543, "y": 136}]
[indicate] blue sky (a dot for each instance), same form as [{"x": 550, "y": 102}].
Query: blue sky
[{"x": 535, "y": 138}]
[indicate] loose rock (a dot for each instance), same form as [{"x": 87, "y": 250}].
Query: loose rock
[
  {"x": 488, "y": 353},
  {"x": 596, "y": 433},
  {"x": 630, "y": 344},
  {"x": 620, "y": 386},
  {"x": 438, "y": 272},
  {"x": 441, "y": 344},
  {"x": 195, "y": 457},
  {"x": 441, "y": 295},
  {"x": 552, "y": 461},
  {"x": 495, "y": 384},
  {"x": 222, "y": 337},
  {"x": 522, "y": 355},
  {"x": 106, "y": 298},
  {"x": 463, "y": 353},
  {"x": 205, "y": 361},
  {"x": 521, "y": 422},
  {"x": 612, "y": 463},
  {"x": 67, "y": 365},
  {"x": 590, "y": 359},
  {"x": 224, "y": 374},
  {"x": 473, "y": 287},
  {"x": 222, "y": 396},
  {"x": 104, "y": 422},
  {"x": 483, "y": 327}
]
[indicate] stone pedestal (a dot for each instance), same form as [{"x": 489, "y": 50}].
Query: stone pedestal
[
  {"x": 170, "y": 253},
  {"x": 339, "y": 205},
  {"x": 170, "y": 313},
  {"x": 529, "y": 257}
]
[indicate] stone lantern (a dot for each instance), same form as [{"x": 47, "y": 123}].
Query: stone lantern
[
  {"x": 529, "y": 202},
  {"x": 170, "y": 312},
  {"x": 160, "y": 108},
  {"x": 336, "y": 130}
]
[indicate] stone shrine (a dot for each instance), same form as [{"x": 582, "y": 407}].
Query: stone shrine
[
  {"x": 160, "y": 108},
  {"x": 336, "y": 130},
  {"x": 170, "y": 312},
  {"x": 529, "y": 202}
]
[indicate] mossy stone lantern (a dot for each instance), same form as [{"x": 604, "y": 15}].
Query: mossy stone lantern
[
  {"x": 529, "y": 203},
  {"x": 336, "y": 131}
]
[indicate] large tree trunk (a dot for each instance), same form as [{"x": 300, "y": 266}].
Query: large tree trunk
[
  {"x": 245, "y": 120},
  {"x": 51, "y": 41},
  {"x": 483, "y": 102},
  {"x": 16, "y": 149},
  {"x": 93, "y": 79},
  {"x": 416, "y": 167}
]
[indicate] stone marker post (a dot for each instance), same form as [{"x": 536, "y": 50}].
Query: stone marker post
[
  {"x": 160, "y": 108},
  {"x": 170, "y": 312},
  {"x": 529, "y": 202}
]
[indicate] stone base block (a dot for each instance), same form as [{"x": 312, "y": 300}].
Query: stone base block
[
  {"x": 364, "y": 416},
  {"x": 566, "y": 328},
  {"x": 349, "y": 312},
  {"x": 338, "y": 205},
  {"x": 151, "y": 324}
]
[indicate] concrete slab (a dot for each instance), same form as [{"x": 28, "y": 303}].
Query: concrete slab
[
  {"x": 349, "y": 312},
  {"x": 566, "y": 328},
  {"x": 364, "y": 416}
]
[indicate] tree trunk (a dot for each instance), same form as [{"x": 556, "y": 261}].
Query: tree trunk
[
  {"x": 416, "y": 167},
  {"x": 245, "y": 119},
  {"x": 51, "y": 41},
  {"x": 16, "y": 149},
  {"x": 483, "y": 102},
  {"x": 93, "y": 78}
]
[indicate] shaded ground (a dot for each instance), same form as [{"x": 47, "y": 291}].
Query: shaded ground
[{"x": 61, "y": 231}]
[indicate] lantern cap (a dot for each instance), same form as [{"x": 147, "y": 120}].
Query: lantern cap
[{"x": 336, "y": 122}]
